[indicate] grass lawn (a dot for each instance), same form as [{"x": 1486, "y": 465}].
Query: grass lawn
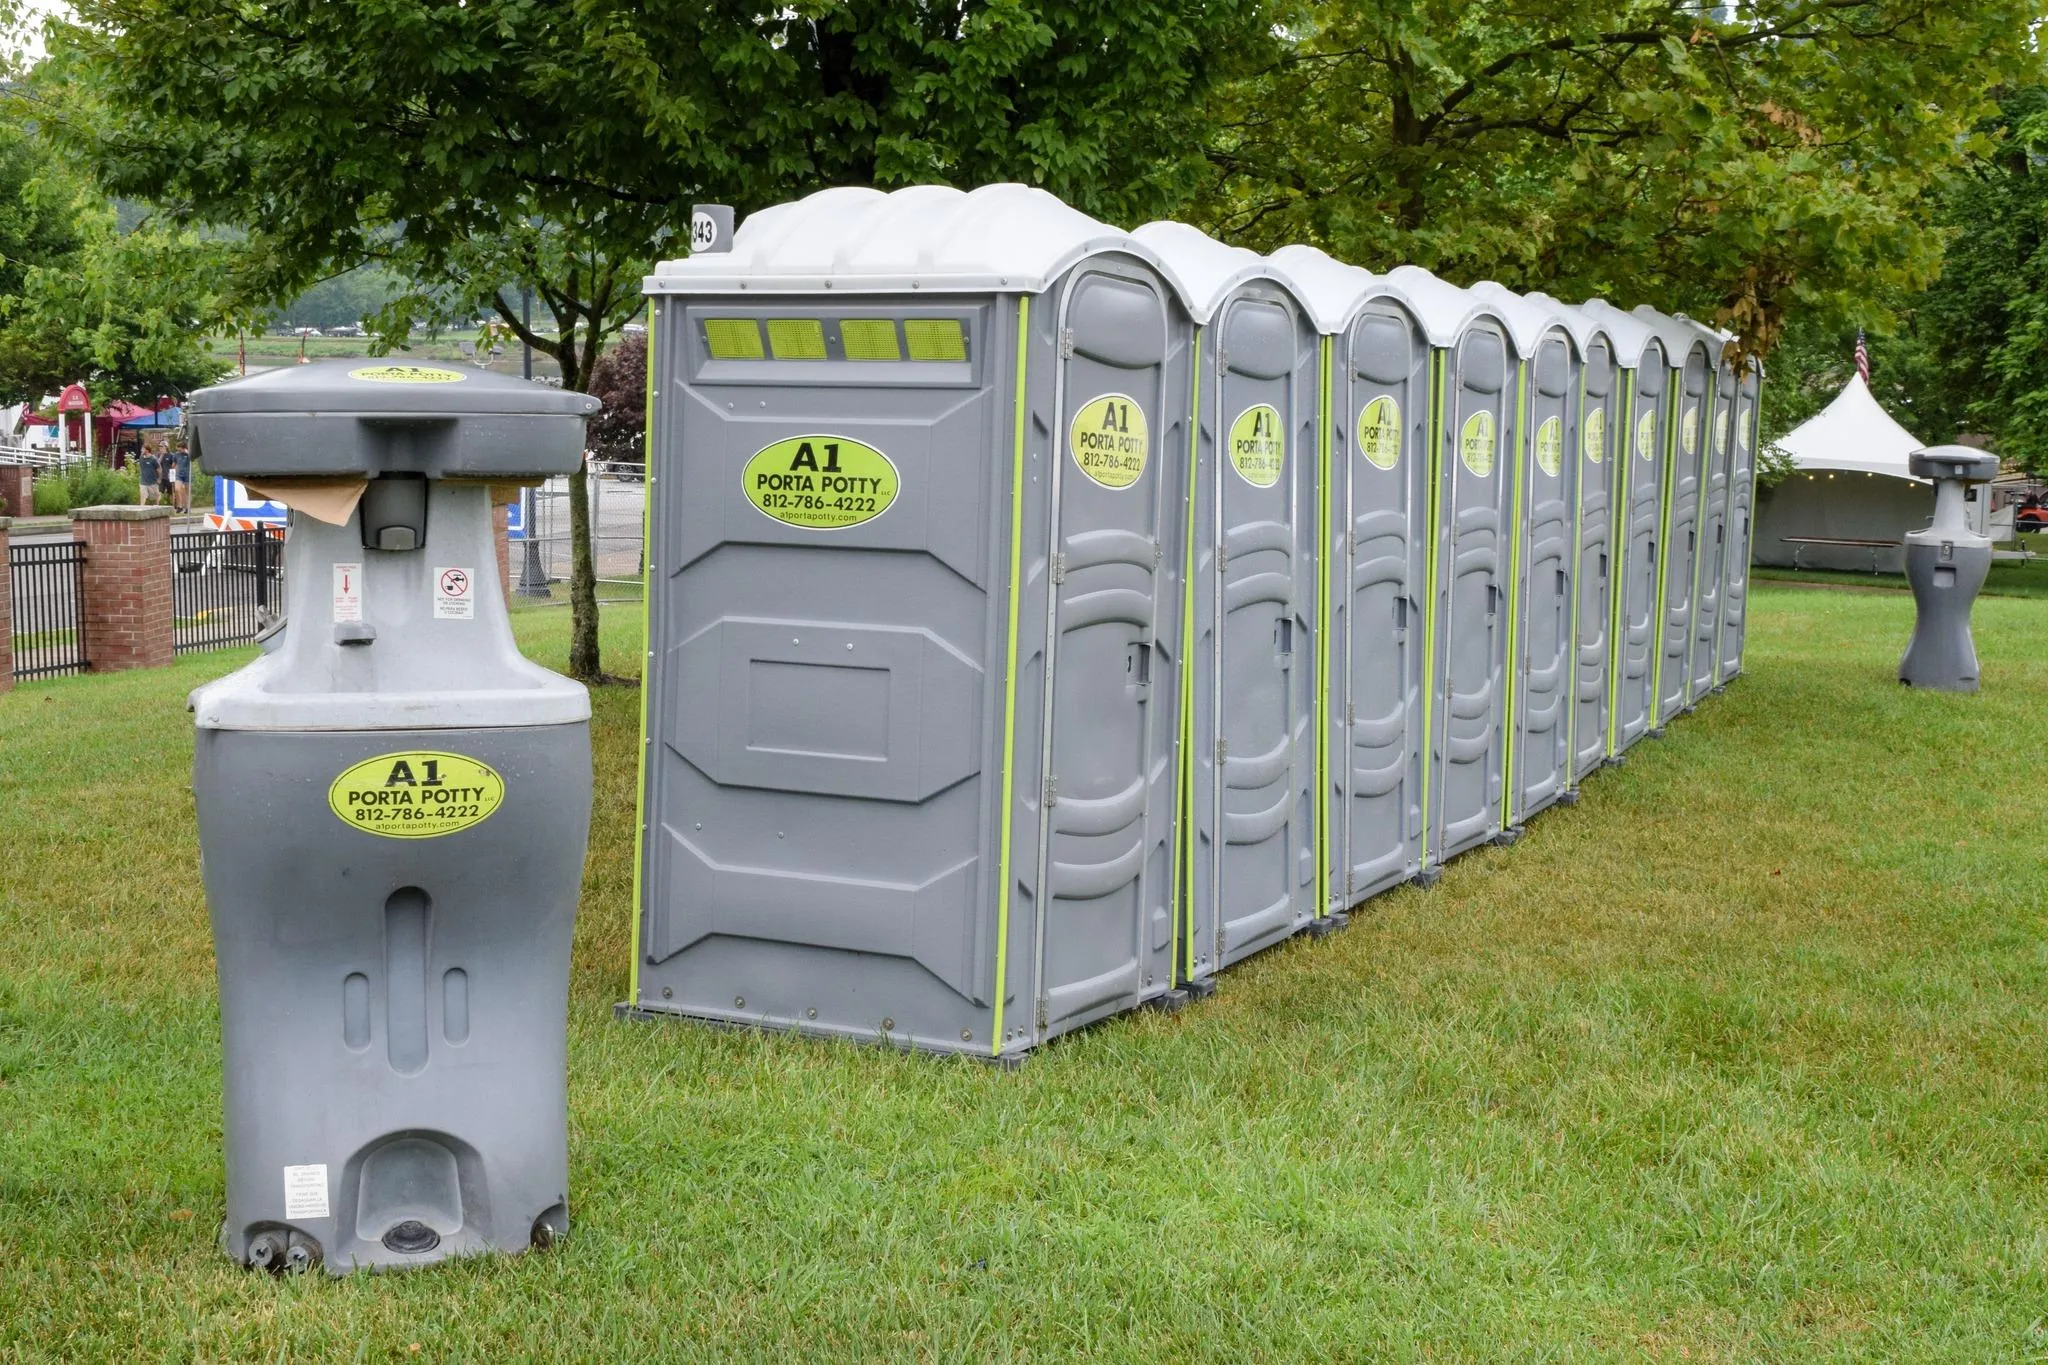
[{"x": 1741, "y": 1058}]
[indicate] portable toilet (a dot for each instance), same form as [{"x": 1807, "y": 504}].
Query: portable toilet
[
  {"x": 1645, "y": 382},
  {"x": 1544, "y": 498},
  {"x": 1709, "y": 565},
  {"x": 1741, "y": 515},
  {"x": 1376, "y": 562},
  {"x": 917, "y": 499},
  {"x": 1690, "y": 406},
  {"x": 1601, "y": 396},
  {"x": 1253, "y": 631},
  {"x": 1470, "y": 530}
]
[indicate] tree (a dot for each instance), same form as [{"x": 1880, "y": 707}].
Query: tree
[
  {"x": 475, "y": 147},
  {"x": 619, "y": 431},
  {"x": 1738, "y": 162}
]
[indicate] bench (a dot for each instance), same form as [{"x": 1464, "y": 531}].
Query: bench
[{"x": 1799, "y": 544}]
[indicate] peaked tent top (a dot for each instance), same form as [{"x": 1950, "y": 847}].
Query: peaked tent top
[
  {"x": 996, "y": 239},
  {"x": 1853, "y": 434}
]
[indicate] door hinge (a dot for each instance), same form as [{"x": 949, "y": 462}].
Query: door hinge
[
  {"x": 1158, "y": 551},
  {"x": 1350, "y": 718},
  {"x": 1044, "y": 1013},
  {"x": 1222, "y": 944},
  {"x": 1222, "y": 558},
  {"x": 1066, "y": 353},
  {"x": 1222, "y": 359},
  {"x": 1222, "y": 750},
  {"x": 1059, "y": 566},
  {"x": 1052, "y": 789}
]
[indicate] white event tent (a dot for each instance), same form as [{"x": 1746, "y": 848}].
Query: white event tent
[{"x": 1853, "y": 499}]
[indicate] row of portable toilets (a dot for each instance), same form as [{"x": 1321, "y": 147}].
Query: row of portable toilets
[{"x": 1044, "y": 617}]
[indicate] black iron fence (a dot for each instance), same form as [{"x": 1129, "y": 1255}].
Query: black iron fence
[
  {"x": 47, "y": 579},
  {"x": 225, "y": 586}
]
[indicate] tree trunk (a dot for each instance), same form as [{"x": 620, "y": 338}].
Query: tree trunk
[{"x": 585, "y": 665}]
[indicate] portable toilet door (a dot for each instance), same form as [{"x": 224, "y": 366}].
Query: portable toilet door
[
  {"x": 1741, "y": 511},
  {"x": 1251, "y": 833},
  {"x": 1639, "y": 512},
  {"x": 1544, "y": 498},
  {"x": 913, "y": 613},
  {"x": 1471, "y": 528},
  {"x": 1376, "y": 562},
  {"x": 1593, "y": 538},
  {"x": 1708, "y": 568},
  {"x": 1690, "y": 410}
]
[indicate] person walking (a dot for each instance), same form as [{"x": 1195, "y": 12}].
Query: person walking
[
  {"x": 181, "y": 478},
  {"x": 146, "y": 469},
  {"x": 164, "y": 466}
]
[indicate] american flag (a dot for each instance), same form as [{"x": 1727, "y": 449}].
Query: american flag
[{"x": 1862, "y": 357}]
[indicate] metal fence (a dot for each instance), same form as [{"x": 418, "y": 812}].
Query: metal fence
[
  {"x": 47, "y": 579},
  {"x": 618, "y": 493},
  {"x": 225, "y": 586}
]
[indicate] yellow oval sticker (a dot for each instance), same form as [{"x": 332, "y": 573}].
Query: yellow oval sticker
[
  {"x": 1475, "y": 443},
  {"x": 1110, "y": 440},
  {"x": 1258, "y": 448},
  {"x": 1688, "y": 433},
  {"x": 1721, "y": 431},
  {"x": 1596, "y": 435},
  {"x": 820, "y": 482},
  {"x": 1646, "y": 436},
  {"x": 1550, "y": 445},
  {"x": 416, "y": 794},
  {"x": 407, "y": 374},
  {"x": 1379, "y": 432}
]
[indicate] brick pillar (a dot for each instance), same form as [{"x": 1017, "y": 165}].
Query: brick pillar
[
  {"x": 501, "y": 515},
  {"x": 17, "y": 490},
  {"x": 6, "y": 612},
  {"x": 126, "y": 613}
]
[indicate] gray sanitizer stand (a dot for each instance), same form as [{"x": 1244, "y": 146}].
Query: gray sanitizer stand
[
  {"x": 1946, "y": 564},
  {"x": 393, "y": 806}
]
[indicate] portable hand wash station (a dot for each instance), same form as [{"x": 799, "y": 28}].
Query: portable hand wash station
[
  {"x": 393, "y": 807},
  {"x": 1946, "y": 563}
]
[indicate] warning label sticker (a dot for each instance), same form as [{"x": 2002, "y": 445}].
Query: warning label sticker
[
  {"x": 1258, "y": 447},
  {"x": 407, "y": 374},
  {"x": 1688, "y": 430},
  {"x": 1550, "y": 445},
  {"x": 1110, "y": 440},
  {"x": 1476, "y": 443},
  {"x": 305, "y": 1191},
  {"x": 417, "y": 794},
  {"x": 1379, "y": 432},
  {"x": 454, "y": 594},
  {"x": 348, "y": 592},
  {"x": 1646, "y": 436},
  {"x": 1596, "y": 435},
  {"x": 820, "y": 482}
]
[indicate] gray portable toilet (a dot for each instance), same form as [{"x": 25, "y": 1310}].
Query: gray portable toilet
[
  {"x": 1716, "y": 463},
  {"x": 1639, "y": 523},
  {"x": 393, "y": 807},
  {"x": 1253, "y": 638},
  {"x": 914, "y": 603},
  {"x": 1544, "y": 498},
  {"x": 1602, "y": 394},
  {"x": 1741, "y": 515},
  {"x": 1376, "y": 562},
  {"x": 1471, "y": 534},
  {"x": 1691, "y": 406}
]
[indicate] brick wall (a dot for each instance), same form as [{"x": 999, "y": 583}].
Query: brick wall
[
  {"x": 17, "y": 490},
  {"x": 126, "y": 614},
  {"x": 6, "y": 612}
]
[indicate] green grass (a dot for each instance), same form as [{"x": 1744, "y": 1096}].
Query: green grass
[{"x": 1741, "y": 1058}]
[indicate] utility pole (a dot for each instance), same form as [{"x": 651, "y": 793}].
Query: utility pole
[{"x": 533, "y": 578}]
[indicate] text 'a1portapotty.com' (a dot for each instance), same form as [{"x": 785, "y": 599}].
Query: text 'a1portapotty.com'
[
  {"x": 914, "y": 594},
  {"x": 393, "y": 806}
]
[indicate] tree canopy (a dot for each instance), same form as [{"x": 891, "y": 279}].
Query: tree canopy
[{"x": 1740, "y": 162}]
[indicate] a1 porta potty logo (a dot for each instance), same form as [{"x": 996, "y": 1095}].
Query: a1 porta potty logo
[
  {"x": 416, "y": 794},
  {"x": 1110, "y": 440},
  {"x": 1258, "y": 448},
  {"x": 820, "y": 482}
]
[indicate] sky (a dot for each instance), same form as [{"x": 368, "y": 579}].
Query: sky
[{"x": 26, "y": 45}]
